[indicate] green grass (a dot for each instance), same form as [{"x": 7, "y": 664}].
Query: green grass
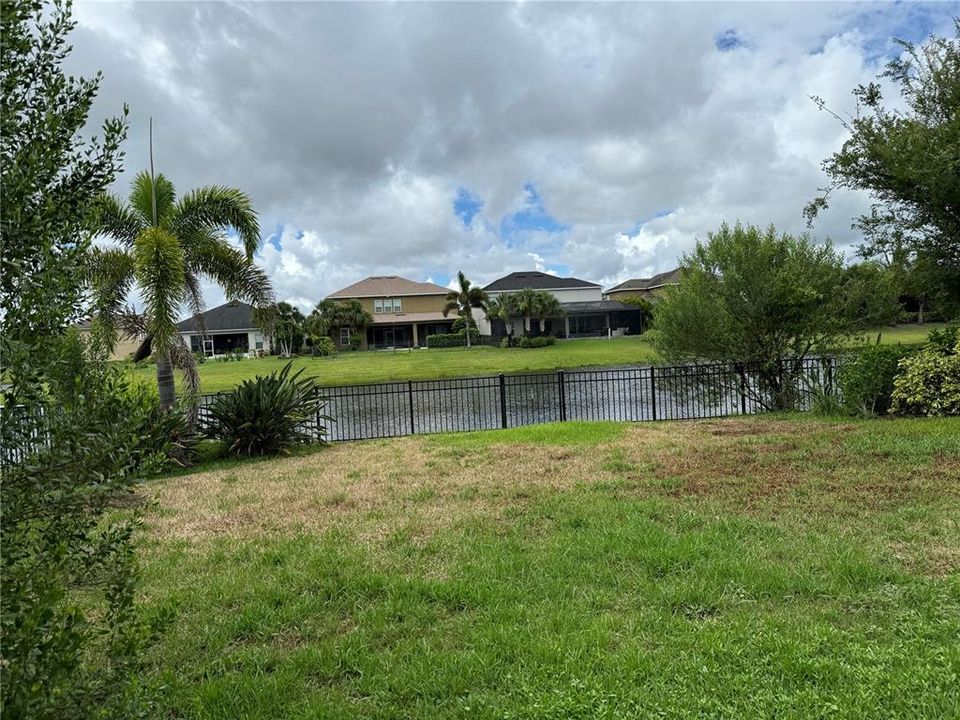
[
  {"x": 368, "y": 367},
  {"x": 767, "y": 567}
]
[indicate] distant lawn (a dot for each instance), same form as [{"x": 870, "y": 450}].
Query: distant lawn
[
  {"x": 752, "y": 568},
  {"x": 381, "y": 366}
]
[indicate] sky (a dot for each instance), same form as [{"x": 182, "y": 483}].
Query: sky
[{"x": 417, "y": 139}]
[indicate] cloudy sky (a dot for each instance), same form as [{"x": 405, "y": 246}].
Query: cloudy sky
[{"x": 599, "y": 141}]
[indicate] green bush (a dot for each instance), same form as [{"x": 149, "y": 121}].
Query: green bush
[
  {"x": 73, "y": 635},
  {"x": 267, "y": 415},
  {"x": 866, "y": 381},
  {"x": 446, "y": 340},
  {"x": 929, "y": 381},
  {"x": 324, "y": 346},
  {"x": 356, "y": 341},
  {"x": 536, "y": 342},
  {"x": 505, "y": 342}
]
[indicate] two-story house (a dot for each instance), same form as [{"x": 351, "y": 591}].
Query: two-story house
[
  {"x": 586, "y": 312},
  {"x": 648, "y": 288},
  {"x": 404, "y": 312}
]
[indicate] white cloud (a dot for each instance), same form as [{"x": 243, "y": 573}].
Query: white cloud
[{"x": 354, "y": 126}]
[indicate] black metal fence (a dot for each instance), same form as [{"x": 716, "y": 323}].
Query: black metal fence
[{"x": 685, "y": 392}]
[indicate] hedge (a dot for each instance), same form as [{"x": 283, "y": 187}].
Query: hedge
[{"x": 444, "y": 340}]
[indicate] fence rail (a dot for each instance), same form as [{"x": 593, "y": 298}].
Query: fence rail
[{"x": 684, "y": 392}]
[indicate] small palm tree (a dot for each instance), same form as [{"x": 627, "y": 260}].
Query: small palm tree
[
  {"x": 464, "y": 301},
  {"x": 547, "y": 306},
  {"x": 165, "y": 245},
  {"x": 525, "y": 302},
  {"x": 503, "y": 308}
]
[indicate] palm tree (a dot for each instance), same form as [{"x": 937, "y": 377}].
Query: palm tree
[
  {"x": 330, "y": 315},
  {"x": 464, "y": 301},
  {"x": 525, "y": 302},
  {"x": 503, "y": 308},
  {"x": 546, "y": 306},
  {"x": 165, "y": 246}
]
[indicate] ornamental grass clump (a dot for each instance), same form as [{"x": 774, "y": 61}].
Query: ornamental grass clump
[{"x": 269, "y": 414}]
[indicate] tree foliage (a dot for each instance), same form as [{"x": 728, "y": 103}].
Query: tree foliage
[
  {"x": 283, "y": 323},
  {"x": 330, "y": 315},
  {"x": 755, "y": 296},
  {"x": 72, "y": 635},
  {"x": 907, "y": 159},
  {"x": 166, "y": 246},
  {"x": 464, "y": 300}
]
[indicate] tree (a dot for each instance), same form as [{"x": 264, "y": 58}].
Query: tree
[
  {"x": 871, "y": 294},
  {"x": 753, "y": 296},
  {"x": 644, "y": 305},
  {"x": 165, "y": 245},
  {"x": 69, "y": 624},
  {"x": 539, "y": 304},
  {"x": 503, "y": 307},
  {"x": 906, "y": 159},
  {"x": 283, "y": 324},
  {"x": 331, "y": 315},
  {"x": 465, "y": 300}
]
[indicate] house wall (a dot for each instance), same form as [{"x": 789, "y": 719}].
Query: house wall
[
  {"x": 647, "y": 294},
  {"x": 563, "y": 295},
  {"x": 411, "y": 303},
  {"x": 124, "y": 348},
  {"x": 254, "y": 336}
]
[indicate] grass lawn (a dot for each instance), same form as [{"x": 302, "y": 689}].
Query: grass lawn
[
  {"x": 367, "y": 367},
  {"x": 753, "y": 568}
]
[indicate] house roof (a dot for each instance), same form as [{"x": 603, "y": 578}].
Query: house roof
[
  {"x": 536, "y": 281},
  {"x": 595, "y": 306},
  {"x": 670, "y": 277},
  {"x": 233, "y": 315},
  {"x": 388, "y": 286},
  {"x": 405, "y": 318}
]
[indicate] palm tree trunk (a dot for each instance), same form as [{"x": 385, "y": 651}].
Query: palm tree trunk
[{"x": 168, "y": 391}]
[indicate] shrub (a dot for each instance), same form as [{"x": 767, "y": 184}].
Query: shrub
[
  {"x": 356, "y": 341},
  {"x": 524, "y": 342},
  {"x": 536, "y": 342},
  {"x": 505, "y": 342},
  {"x": 445, "y": 340},
  {"x": 929, "y": 381},
  {"x": 324, "y": 346},
  {"x": 866, "y": 381},
  {"x": 267, "y": 415}
]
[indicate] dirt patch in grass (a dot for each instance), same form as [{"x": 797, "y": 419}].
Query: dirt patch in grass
[{"x": 410, "y": 488}]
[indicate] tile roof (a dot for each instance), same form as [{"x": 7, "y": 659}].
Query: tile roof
[
  {"x": 388, "y": 286},
  {"x": 233, "y": 315},
  {"x": 536, "y": 281},
  {"x": 670, "y": 277},
  {"x": 595, "y": 306}
]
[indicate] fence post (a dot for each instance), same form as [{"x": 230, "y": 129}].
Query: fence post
[
  {"x": 563, "y": 396},
  {"x": 743, "y": 389},
  {"x": 410, "y": 398},
  {"x": 830, "y": 361},
  {"x": 653, "y": 393},
  {"x": 503, "y": 402}
]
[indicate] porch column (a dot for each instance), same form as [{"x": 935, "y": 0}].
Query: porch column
[
  {"x": 416, "y": 342},
  {"x": 566, "y": 326},
  {"x": 609, "y": 329}
]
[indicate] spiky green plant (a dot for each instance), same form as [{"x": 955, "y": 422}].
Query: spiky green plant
[
  {"x": 464, "y": 300},
  {"x": 269, "y": 414}
]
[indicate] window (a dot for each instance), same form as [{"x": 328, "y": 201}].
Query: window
[
  {"x": 378, "y": 306},
  {"x": 259, "y": 344},
  {"x": 387, "y": 305},
  {"x": 396, "y": 305},
  {"x": 344, "y": 336}
]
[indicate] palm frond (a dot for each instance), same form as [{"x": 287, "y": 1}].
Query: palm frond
[
  {"x": 194, "y": 297},
  {"x": 141, "y": 197},
  {"x": 160, "y": 273},
  {"x": 117, "y": 220},
  {"x": 182, "y": 359},
  {"x": 110, "y": 273},
  {"x": 218, "y": 208},
  {"x": 240, "y": 278},
  {"x": 452, "y": 305}
]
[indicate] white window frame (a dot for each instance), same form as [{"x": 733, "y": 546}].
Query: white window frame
[
  {"x": 344, "y": 336},
  {"x": 378, "y": 305},
  {"x": 397, "y": 305}
]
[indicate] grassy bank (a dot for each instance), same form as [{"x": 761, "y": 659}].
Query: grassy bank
[
  {"x": 744, "y": 568},
  {"x": 367, "y": 367}
]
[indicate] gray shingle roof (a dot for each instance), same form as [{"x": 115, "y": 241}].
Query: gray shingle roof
[
  {"x": 670, "y": 277},
  {"x": 234, "y": 315},
  {"x": 536, "y": 281}
]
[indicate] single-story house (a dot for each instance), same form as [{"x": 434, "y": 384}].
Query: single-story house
[
  {"x": 404, "y": 311},
  {"x": 125, "y": 347},
  {"x": 648, "y": 288},
  {"x": 224, "y": 329}
]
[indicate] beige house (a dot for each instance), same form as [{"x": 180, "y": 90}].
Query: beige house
[
  {"x": 404, "y": 312},
  {"x": 123, "y": 350},
  {"x": 644, "y": 287}
]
